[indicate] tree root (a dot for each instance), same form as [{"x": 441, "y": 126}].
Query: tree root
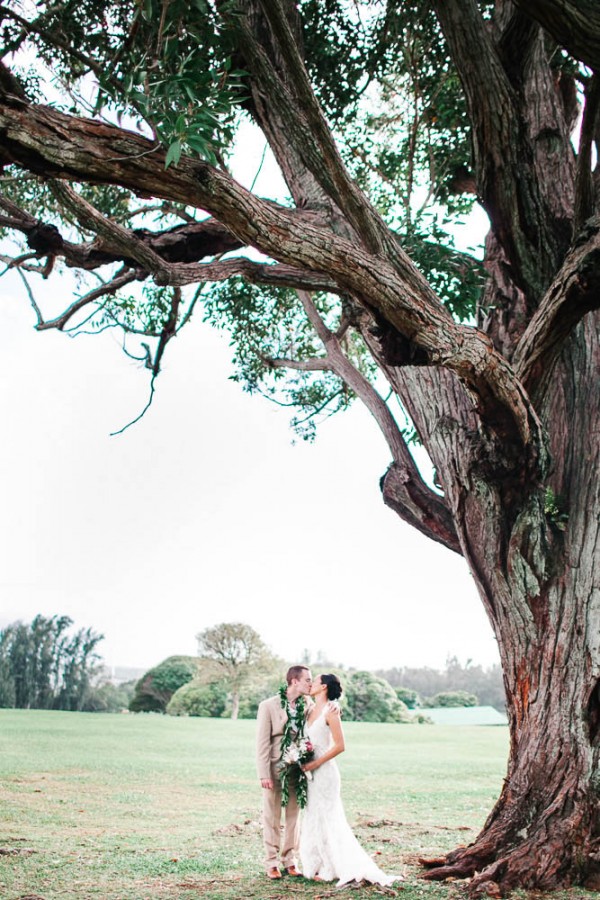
[{"x": 537, "y": 862}]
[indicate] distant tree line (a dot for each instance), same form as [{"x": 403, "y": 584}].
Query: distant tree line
[
  {"x": 236, "y": 671},
  {"x": 422, "y": 686},
  {"x": 44, "y": 665}
]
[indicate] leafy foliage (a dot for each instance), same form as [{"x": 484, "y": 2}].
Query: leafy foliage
[
  {"x": 166, "y": 65},
  {"x": 238, "y": 656},
  {"x": 171, "y": 70},
  {"x": 486, "y": 683},
  {"x": 268, "y": 325},
  {"x": 452, "y": 699},
  {"x": 409, "y": 697},
  {"x": 198, "y": 699},
  {"x": 554, "y": 510},
  {"x": 372, "y": 699},
  {"x": 43, "y": 665},
  {"x": 109, "y": 698},
  {"x": 156, "y": 687}
]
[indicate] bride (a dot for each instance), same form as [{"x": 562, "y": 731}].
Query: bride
[{"x": 328, "y": 848}]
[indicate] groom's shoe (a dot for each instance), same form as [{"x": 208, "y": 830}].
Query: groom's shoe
[
  {"x": 273, "y": 873},
  {"x": 293, "y": 871}
]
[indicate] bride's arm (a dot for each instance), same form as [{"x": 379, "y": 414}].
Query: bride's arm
[{"x": 335, "y": 724}]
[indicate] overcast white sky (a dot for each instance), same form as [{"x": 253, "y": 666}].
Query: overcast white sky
[{"x": 205, "y": 511}]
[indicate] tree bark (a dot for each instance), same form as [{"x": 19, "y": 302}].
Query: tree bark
[
  {"x": 536, "y": 570},
  {"x": 575, "y": 25}
]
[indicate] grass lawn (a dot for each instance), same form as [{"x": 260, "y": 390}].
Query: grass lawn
[{"x": 129, "y": 807}]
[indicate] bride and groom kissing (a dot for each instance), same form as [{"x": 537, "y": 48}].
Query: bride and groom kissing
[{"x": 299, "y": 734}]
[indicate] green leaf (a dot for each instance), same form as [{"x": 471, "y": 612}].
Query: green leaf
[
  {"x": 173, "y": 154},
  {"x": 196, "y": 143}
]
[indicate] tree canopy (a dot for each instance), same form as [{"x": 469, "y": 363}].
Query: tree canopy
[
  {"x": 369, "y": 698},
  {"x": 45, "y": 665},
  {"x": 156, "y": 687},
  {"x": 238, "y": 655},
  {"x": 388, "y": 120}
]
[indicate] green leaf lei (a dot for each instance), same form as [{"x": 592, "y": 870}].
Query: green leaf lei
[{"x": 293, "y": 730}]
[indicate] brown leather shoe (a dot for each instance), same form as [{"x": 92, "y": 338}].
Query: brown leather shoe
[
  {"x": 293, "y": 871},
  {"x": 274, "y": 873}
]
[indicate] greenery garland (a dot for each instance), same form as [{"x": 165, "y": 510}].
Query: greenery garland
[{"x": 293, "y": 732}]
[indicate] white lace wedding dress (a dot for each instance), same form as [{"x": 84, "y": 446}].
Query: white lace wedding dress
[{"x": 328, "y": 848}]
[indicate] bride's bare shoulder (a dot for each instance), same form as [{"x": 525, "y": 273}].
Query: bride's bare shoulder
[{"x": 333, "y": 709}]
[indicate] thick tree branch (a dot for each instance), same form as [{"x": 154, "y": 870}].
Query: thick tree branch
[
  {"x": 515, "y": 44},
  {"x": 9, "y": 83},
  {"x": 46, "y": 141},
  {"x": 184, "y": 244},
  {"x": 313, "y": 137},
  {"x": 89, "y": 218},
  {"x": 574, "y": 24},
  {"x": 584, "y": 184},
  {"x": 417, "y": 505},
  {"x": 503, "y": 153},
  {"x": 574, "y": 292}
]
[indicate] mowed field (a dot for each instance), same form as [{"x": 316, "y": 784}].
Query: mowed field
[{"x": 129, "y": 807}]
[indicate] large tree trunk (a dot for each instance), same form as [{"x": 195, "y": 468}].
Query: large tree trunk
[{"x": 536, "y": 566}]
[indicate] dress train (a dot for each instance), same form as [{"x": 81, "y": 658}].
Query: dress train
[{"x": 328, "y": 847}]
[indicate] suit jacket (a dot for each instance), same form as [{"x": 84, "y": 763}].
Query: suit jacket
[{"x": 271, "y": 721}]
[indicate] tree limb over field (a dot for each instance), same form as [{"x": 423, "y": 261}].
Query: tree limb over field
[{"x": 46, "y": 141}]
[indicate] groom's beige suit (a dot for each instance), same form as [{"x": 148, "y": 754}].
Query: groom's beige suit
[{"x": 270, "y": 724}]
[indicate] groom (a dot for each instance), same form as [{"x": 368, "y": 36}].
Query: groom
[{"x": 272, "y": 718}]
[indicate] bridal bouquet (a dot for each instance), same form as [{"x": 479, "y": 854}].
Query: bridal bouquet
[{"x": 298, "y": 752}]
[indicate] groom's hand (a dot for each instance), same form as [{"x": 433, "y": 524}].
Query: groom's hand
[{"x": 266, "y": 783}]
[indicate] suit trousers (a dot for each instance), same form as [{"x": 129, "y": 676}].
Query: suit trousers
[{"x": 274, "y": 849}]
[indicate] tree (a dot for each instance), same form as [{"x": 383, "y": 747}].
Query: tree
[
  {"x": 371, "y": 699},
  {"x": 154, "y": 689},
  {"x": 409, "y": 697},
  {"x": 199, "y": 699},
  {"x": 237, "y": 653},
  {"x": 110, "y": 698},
  {"x": 452, "y": 698},
  {"x": 486, "y": 684},
  {"x": 44, "y": 666},
  {"x": 387, "y": 120}
]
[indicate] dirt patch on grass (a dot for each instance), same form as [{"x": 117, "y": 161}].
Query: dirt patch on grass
[
  {"x": 248, "y": 826},
  {"x": 16, "y": 851}
]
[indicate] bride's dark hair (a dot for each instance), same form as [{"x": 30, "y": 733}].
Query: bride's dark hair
[{"x": 334, "y": 688}]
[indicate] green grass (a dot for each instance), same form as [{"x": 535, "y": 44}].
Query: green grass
[{"x": 127, "y": 807}]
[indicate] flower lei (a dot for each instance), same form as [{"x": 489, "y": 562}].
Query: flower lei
[{"x": 293, "y": 731}]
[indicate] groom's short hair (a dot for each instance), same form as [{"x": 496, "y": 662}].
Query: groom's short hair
[{"x": 295, "y": 672}]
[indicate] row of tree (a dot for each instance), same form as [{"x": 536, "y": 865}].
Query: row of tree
[
  {"x": 235, "y": 671},
  {"x": 187, "y": 686},
  {"x": 45, "y": 665},
  {"x": 421, "y": 684}
]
